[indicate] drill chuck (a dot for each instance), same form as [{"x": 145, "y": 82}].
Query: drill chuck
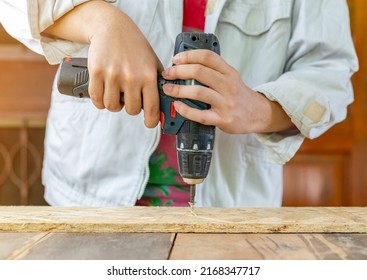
[{"x": 194, "y": 145}]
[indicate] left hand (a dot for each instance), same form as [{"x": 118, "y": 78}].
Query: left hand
[{"x": 235, "y": 108}]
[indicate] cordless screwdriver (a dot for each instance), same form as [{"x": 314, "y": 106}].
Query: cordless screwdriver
[{"x": 194, "y": 141}]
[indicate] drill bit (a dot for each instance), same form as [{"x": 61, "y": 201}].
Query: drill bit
[
  {"x": 192, "y": 194},
  {"x": 192, "y": 198}
]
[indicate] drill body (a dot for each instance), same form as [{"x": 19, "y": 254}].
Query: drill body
[{"x": 194, "y": 141}]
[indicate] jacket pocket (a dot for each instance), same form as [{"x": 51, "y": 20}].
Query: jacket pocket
[{"x": 255, "y": 17}]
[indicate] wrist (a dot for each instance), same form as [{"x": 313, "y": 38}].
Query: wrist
[{"x": 270, "y": 116}]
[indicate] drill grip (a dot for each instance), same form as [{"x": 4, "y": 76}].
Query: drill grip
[{"x": 73, "y": 77}]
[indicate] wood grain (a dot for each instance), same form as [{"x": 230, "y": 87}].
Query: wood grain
[
  {"x": 187, "y": 246},
  {"x": 180, "y": 219},
  {"x": 12, "y": 244},
  {"x": 270, "y": 247},
  {"x": 101, "y": 246}
]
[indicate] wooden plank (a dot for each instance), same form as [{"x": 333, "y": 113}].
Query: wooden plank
[
  {"x": 270, "y": 247},
  {"x": 354, "y": 245},
  {"x": 180, "y": 219},
  {"x": 101, "y": 246},
  {"x": 13, "y": 244}
]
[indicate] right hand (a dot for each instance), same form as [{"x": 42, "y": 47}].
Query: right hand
[{"x": 120, "y": 58}]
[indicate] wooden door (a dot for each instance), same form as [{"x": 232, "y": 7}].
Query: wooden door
[{"x": 332, "y": 169}]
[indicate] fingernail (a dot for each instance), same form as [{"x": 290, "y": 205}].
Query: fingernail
[{"x": 165, "y": 72}]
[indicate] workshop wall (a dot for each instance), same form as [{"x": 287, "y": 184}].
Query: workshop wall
[
  {"x": 25, "y": 86},
  {"x": 332, "y": 169}
]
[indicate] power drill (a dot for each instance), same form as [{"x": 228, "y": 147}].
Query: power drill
[{"x": 194, "y": 141}]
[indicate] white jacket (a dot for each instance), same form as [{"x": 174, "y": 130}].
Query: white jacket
[{"x": 296, "y": 52}]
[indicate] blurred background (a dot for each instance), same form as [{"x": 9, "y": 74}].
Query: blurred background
[{"x": 328, "y": 171}]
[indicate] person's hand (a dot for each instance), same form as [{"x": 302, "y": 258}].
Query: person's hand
[
  {"x": 235, "y": 108},
  {"x": 120, "y": 58}
]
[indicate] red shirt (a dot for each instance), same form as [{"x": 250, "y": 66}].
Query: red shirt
[{"x": 194, "y": 15}]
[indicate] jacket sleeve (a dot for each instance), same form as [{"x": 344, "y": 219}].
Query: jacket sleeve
[
  {"x": 315, "y": 88},
  {"x": 25, "y": 20}
]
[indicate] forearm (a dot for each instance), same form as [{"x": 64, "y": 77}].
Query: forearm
[
  {"x": 120, "y": 58},
  {"x": 85, "y": 20}
]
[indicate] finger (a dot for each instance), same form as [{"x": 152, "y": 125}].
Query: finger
[
  {"x": 133, "y": 100},
  {"x": 132, "y": 92},
  {"x": 111, "y": 97},
  {"x": 151, "y": 105},
  {"x": 200, "y": 73},
  {"x": 96, "y": 91},
  {"x": 207, "y": 58},
  {"x": 195, "y": 92},
  {"x": 207, "y": 117}
]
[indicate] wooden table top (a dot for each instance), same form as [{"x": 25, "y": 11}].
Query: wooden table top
[{"x": 175, "y": 233}]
